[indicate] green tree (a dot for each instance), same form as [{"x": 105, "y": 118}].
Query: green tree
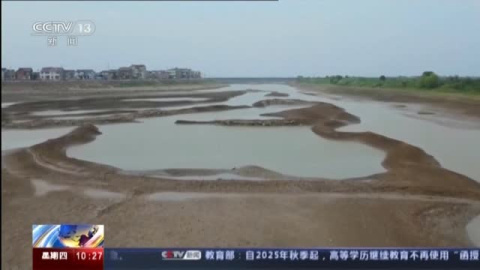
[
  {"x": 335, "y": 79},
  {"x": 428, "y": 73},
  {"x": 383, "y": 78},
  {"x": 429, "y": 80}
]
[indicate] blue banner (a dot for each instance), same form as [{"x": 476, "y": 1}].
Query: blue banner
[{"x": 348, "y": 258}]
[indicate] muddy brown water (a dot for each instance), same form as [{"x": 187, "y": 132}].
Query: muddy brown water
[
  {"x": 161, "y": 144},
  {"x": 455, "y": 148},
  {"x": 13, "y": 139},
  {"x": 60, "y": 112},
  {"x": 167, "y": 99}
]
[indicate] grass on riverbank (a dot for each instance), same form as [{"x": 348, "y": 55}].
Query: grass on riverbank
[{"x": 429, "y": 82}]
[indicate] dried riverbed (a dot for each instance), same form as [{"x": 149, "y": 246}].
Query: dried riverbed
[{"x": 412, "y": 201}]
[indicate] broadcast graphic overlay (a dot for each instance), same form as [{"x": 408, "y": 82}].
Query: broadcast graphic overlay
[
  {"x": 314, "y": 258},
  {"x": 68, "y": 246},
  {"x": 71, "y": 31}
]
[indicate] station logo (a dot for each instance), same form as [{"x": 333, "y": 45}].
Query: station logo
[
  {"x": 59, "y": 28},
  {"x": 71, "y": 30},
  {"x": 177, "y": 255}
]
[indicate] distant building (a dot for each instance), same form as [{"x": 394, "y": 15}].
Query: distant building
[
  {"x": 163, "y": 74},
  {"x": 183, "y": 73},
  {"x": 172, "y": 73},
  {"x": 24, "y": 74},
  {"x": 8, "y": 74},
  {"x": 51, "y": 74},
  {"x": 109, "y": 74},
  {"x": 85, "y": 74},
  {"x": 139, "y": 72},
  {"x": 151, "y": 75},
  {"x": 104, "y": 74},
  {"x": 159, "y": 74},
  {"x": 69, "y": 74},
  {"x": 125, "y": 73},
  {"x": 132, "y": 72},
  {"x": 35, "y": 75}
]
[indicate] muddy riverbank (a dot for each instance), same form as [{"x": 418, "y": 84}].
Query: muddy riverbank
[
  {"x": 107, "y": 109},
  {"x": 39, "y": 90},
  {"x": 415, "y": 202},
  {"x": 459, "y": 105},
  {"x": 416, "y": 168}
]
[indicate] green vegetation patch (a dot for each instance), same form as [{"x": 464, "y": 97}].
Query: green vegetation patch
[{"x": 428, "y": 81}]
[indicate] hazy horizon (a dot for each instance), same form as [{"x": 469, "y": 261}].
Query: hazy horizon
[{"x": 281, "y": 39}]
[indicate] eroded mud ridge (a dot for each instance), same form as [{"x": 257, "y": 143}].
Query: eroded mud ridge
[
  {"x": 108, "y": 109},
  {"x": 410, "y": 169}
]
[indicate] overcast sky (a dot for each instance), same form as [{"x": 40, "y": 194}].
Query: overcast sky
[{"x": 237, "y": 39}]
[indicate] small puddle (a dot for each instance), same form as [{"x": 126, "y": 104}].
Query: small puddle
[
  {"x": 42, "y": 188},
  {"x": 74, "y": 117},
  {"x": 473, "y": 230},
  {"x": 80, "y": 117},
  {"x": 215, "y": 177},
  {"x": 246, "y": 99},
  {"x": 103, "y": 194},
  {"x": 60, "y": 112},
  {"x": 168, "y": 99},
  {"x": 191, "y": 106},
  {"x": 185, "y": 196},
  {"x": 7, "y": 104},
  {"x": 240, "y": 114}
]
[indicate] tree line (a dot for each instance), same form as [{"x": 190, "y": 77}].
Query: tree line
[{"x": 429, "y": 80}]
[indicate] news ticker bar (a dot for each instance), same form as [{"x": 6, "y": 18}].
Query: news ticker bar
[
  {"x": 285, "y": 258},
  {"x": 155, "y": 258}
]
